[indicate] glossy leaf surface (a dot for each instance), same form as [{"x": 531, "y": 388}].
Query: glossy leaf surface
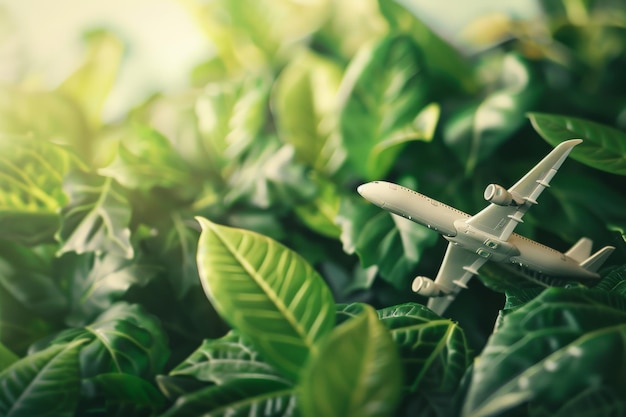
[
  {"x": 573, "y": 335},
  {"x": 603, "y": 147},
  {"x": 267, "y": 292},
  {"x": 357, "y": 372}
]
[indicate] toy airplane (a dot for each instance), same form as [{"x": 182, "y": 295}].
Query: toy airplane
[{"x": 488, "y": 235}]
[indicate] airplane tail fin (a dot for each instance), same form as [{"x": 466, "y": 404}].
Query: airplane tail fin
[
  {"x": 595, "y": 261},
  {"x": 581, "y": 250}
]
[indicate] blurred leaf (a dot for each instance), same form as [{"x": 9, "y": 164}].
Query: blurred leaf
[
  {"x": 603, "y": 147},
  {"x": 91, "y": 83},
  {"x": 433, "y": 351},
  {"x": 97, "y": 217},
  {"x": 31, "y": 194},
  {"x": 476, "y": 130},
  {"x": 383, "y": 91},
  {"x": 319, "y": 214},
  {"x": 270, "y": 177},
  {"x": 573, "y": 335},
  {"x": 145, "y": 159},
  {"x": 238, "y": 398},
  {"x": 123, "y": 394},
  {"x": 45, "y": 116},
  {"x": 249, "y": 34},
  {"x": 266, "y": 292},
  {"x": 230, "y": 116},
  {"x": 7, "y": 357},
  {"x": 305, "y": 107},
  {"x": 356, "y": 373},
  {"x": 123, "y": 339},
  {"x": 27, "y": 275},
  {"x": 223, "y": 360},
  {"x": 443, "y": 60},
  {"x": 100, "y": 280},
  {"x": 44, "y": 384},
  {"x": 391, "y": 242},
  {"x": 615, "y": 281}
]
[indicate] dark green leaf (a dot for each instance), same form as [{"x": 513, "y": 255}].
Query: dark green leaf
[
  {"x": 44, "y": 384},
  {"x": 7, "y": 358},
  {"x": 392, "y": 243},
  {"x": 357, "y": 372},
  {"x": 123, "y": 394},
  {"x": 238, "y": 398},
  {"x": 433, "y": 350},
  {"x": 97, "y": 217},
  {"x": 574, "y": 335},
  {"x": 603, "y": 146},
  {"x": 305, "y": 105},
  {"x": 267, "y": 292},
  {"x": 614, "y": 282},
  {"x": 222, "y": 360},
  {"x": 384, "y": 91}
]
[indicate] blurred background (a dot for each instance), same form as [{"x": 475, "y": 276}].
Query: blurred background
[{"x": 43, "y": 39}]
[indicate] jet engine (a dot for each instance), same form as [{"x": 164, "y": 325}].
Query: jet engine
[
  {"x": 497, "y": 194},
  {"x": 427, "y": 287}
]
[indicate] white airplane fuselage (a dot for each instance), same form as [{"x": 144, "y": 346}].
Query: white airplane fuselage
[{"x": 451, "y": 223}]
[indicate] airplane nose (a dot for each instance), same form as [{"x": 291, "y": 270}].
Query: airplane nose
[{"x": 365, "y": 190}]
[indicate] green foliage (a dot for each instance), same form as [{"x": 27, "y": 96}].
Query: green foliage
[{"x": 290, "y": 295}]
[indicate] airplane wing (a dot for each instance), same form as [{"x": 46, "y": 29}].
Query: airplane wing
[
  {"x": 457, "y": 268},
  {"x": 500, "y": 221}
]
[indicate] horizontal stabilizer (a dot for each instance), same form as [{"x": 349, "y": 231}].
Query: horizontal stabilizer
[
  {"x": 581, "y": 250},
  {"x": 595, "y": 261}
]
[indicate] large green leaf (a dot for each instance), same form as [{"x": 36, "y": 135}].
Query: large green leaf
[
  {"x": 476, "y": 130},
  {"x": 44, "y": 384},
  {"x": 553, "y": 350},
  {"x": 123, "y": 339},
  {"x": 603, "y": 146},
  {"x": 225, "y": 359},
  {"x": 267, "y": 292},
  {"x": 238, "y": 398},
  {"x": 305, "y": 107},
  {"x": 96, "y": 218},
  {"x": 383, "y": 92},
  {"x": 392, "y": 243},
  {"x": 357, "y": 372},
  {"x": 31, "y": 193},
  {"x": 433, "y": 350},
  {"x": 615, "y": 281},
  {"x": 7, "y": 357}
]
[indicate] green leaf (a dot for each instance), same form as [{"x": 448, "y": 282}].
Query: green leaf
[
  {"x": 392, "y": 243},
  {"x": 574, "y": 335},
  {"x": 476, "y": 130},
  {"x": 100, "y": 280},
  {"x": 320, "y": 213},
  {"x": 145, "y": 159},
  {"x": 96, "y": 218},
  {"x": 305, "y": 106},
  {"x": 238, "y": 398},
  {"x": 92, "y": 82},
  {"x": 44, "y": 384},
  {"x": 267, "y": 292},
  {"x": 603, "y": 147},
  {"x": 123, "y": 394},
  {"x": 444, "y": 61},
  {"x": 230, "y": 117},
  {"x": 7, "y": 357},
  {"x": 31, "y": 194},
  {"x": 383, "y": 92},
  {"x": 615, "y": 281},
  {"x": 226, "y": 359},
  {"x": 123, "y": 339},
  {"x": 433, "y": 351},
  {"x": 357, "y": 372}
]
